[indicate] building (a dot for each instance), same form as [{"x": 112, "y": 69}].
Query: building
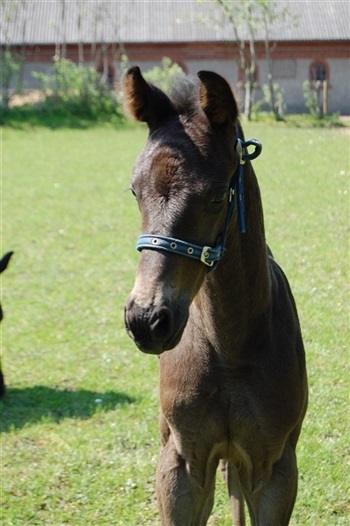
[{"x": 311, "y": 43}]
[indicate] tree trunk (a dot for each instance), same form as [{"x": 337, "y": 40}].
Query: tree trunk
[
  {"x": 250, "y": 77},
  {"x": 247, "y": 99},
  {"x": 274, "y": 107}
]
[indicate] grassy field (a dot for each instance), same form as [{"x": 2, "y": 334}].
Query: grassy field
[{"x": 79, "y": 421}]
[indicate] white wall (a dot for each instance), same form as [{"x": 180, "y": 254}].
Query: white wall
[{"x": 291, "y": 81}]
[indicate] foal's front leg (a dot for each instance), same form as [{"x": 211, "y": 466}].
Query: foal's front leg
[
  {"x": 273, "y": 504},
  {"x": 231, "y": 478},
  {"x": 182, "y": 500}
]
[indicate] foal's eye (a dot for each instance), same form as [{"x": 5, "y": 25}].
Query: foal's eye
[
  {"x": 219, "y": 197},
  {"x": 133, "y": 191}
]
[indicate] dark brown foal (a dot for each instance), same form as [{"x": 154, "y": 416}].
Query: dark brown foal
[{"x": 233, "y": 385}]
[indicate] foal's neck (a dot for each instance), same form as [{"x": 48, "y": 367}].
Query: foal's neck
[{"x": 239, "y": 290}]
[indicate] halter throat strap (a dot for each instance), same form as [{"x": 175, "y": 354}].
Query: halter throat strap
[{"x": 211, "y": 256}]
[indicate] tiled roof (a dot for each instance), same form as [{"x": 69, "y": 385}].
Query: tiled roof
[{"x": 157, "y": 21}]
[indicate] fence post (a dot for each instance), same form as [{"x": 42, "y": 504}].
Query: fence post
[{"x": 325, "y": 97}]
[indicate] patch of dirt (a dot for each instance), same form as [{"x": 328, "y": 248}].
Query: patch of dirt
[{"x": 30, "y": 97}]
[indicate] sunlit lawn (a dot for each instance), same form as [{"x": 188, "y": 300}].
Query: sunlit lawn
[{"x": 79, "y": 421}]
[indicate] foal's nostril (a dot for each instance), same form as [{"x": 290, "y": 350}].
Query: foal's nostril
[
  {"x": 149, "y": 328},
  {"x": 161, "y": 324}
]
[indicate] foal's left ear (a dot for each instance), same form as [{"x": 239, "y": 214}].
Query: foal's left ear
[
  {"x": 145, "y": 102},
  {"x": 216, "y": 99}
]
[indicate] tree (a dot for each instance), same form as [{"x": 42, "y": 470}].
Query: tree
[
  {"x": 271, "y": 11},
  {"x": 163, "y": 76},
  {"x": 104, "y": 13},
  {"x": 240, "y": 15},
  {"x": 11, "y": 60},
  {"x": 247, "y": 18}
]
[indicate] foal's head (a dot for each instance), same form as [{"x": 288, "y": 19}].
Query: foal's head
[{"x": 181, "y": 183}]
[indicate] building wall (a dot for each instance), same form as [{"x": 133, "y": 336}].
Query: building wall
[
  {"x": 30, "y": 82},
  {"x": 339, "y": 92},
  {"x": 291, "y": 63},
  {"x": 292, "y": 86}
]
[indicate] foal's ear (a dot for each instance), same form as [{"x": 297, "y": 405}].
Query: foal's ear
[
  {"x": 5, "y": 261},
  {"x": 216, "y": 99},
  {"x": 145, "y": 102}
]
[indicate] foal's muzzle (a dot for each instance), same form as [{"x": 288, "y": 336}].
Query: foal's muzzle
[{"x": 152, "y": 329}]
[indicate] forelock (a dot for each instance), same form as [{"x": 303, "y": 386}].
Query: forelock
[{"x": 184, "y": 94}]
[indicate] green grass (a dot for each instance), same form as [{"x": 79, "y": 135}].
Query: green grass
[
  {"x": 79, "y": 421},
  {"x": 55, "y": 114}
]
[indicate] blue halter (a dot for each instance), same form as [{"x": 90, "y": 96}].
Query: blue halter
[{"x": 211, "y": 256}]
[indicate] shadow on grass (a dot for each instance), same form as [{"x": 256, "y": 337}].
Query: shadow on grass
[{"x": 31, "y": 405}]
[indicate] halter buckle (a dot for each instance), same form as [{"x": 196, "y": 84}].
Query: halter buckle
[
  {"x": 240, "y": 151},
  {"x": 205, "y": 255}
]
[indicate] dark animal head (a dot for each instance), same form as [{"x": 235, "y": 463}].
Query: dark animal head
[
  {"x": 180, "y": 181},
  {"x": 3, "y": 265}
]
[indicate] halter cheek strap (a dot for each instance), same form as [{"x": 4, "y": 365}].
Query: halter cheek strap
[
  {"x": 241, "y": 150},
  {"x": 210, "y": 256}
]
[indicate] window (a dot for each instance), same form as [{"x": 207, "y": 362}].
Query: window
[
  {"x": 284, "y": 69},
  {"x": 318, "y": 71}
]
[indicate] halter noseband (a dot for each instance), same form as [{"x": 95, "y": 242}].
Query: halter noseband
[{"x": 211, "y": 256}]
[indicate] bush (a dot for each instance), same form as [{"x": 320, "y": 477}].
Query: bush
[
  {"x": 76, "y": 89},
  {"x": 312, "y": 96},
  {"x": 164, "y": 75},
  {"x": 10, "y": 75},
  {"x": 275, "y": 101}
]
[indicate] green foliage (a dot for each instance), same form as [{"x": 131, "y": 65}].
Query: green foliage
[
  {"x": 10, "y": 74},
  {"x": 75, "y": 89},
  {"x": 311, "y": 121},
  {"x": 297, "y": 120},
  {"x": 311, "y": 92},
  {"x": 9, "y": 67},
  {"x": 164, "y": 75},
  {"x": 275, "y": 100},
  {"x": 80, "y": 419},
  {"x": 124, "y": 64}
]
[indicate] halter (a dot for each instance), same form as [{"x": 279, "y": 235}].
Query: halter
[{"x": 211, "y": 256}]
